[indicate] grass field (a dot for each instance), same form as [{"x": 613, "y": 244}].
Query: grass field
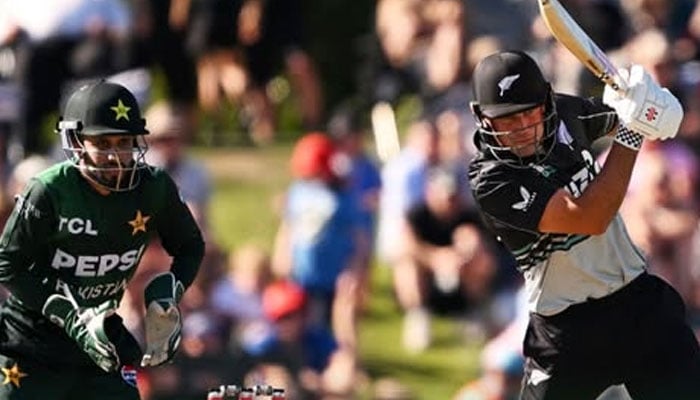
[{"x": 247, "y": 183}]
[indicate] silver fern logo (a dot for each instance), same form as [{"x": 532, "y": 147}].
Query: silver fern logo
[
  {"x": 524, "y": 204},
  {"x": 507, "y": 82}
]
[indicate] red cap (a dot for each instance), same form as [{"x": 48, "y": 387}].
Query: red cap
[
  {"x": 282, "y": 298},
  {"x": 312, "y": 157}
]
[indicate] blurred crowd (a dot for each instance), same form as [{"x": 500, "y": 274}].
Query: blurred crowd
[{"x": 290, "y": 316}]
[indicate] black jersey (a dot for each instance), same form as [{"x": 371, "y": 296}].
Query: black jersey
[
  {"x": 559, "y": 269},
  {"x": 63, "y": 232}
]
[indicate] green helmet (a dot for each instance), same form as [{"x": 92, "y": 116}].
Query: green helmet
[
  {"x": 103, "y": 108},
  {"x": 99, "y": 109}
]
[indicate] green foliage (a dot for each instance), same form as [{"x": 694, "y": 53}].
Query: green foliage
[{"x": 248, "y": 182}]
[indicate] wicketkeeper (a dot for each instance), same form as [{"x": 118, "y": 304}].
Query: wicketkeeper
[{"x": 73, "y": 242}]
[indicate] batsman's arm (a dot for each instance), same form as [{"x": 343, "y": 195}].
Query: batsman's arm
[{"x": 592, "y": 212}]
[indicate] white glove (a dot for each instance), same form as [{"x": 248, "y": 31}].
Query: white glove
[
  {"x": 88, "y": 326},
  {"x": 645, "y": 108},
  {"x": 163, "y": 321}
]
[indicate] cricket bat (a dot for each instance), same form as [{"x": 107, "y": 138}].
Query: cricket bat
[
  {"x": 570, "y": 34},
  {"x": 386, "y": 134}
]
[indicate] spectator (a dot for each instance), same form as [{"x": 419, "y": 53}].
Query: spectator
[
  {"x": 309, "y": 352},
  {"x": 661, "y": 212},
  {"x": 168, "y": 147},
  {"x": 212, "y": 42},
  {"x": 364, "y": 181},
  {"x": 403, "y": 179},
  {"x": 448, "y": 266},
  {"x": 320, "y": 243},
  {"x": 501, "y": 361},
  {"x": 238, "y": 298},
  {"x": 160, "y": 31},
  {"x": 57, "y": 41},
  {"x": 271, "y": 33}
]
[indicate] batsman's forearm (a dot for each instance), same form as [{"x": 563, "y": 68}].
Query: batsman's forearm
[{"x": 604, "y": 195}]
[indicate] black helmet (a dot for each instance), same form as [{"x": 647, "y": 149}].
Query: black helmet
[
  {"x": 104, "y": 108},
  {"x": 507, "y": 83}
]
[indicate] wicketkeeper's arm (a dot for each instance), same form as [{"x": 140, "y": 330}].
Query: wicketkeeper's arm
[
  {"x": 24, "y": 237},
  {"x": 182, "y": 239}
]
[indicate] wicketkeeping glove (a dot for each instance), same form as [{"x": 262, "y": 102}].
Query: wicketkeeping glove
[
  {"x": 163, "y": 321},
  {"x": 646, "y": 108},
  {"x": 88, "y": 326}
]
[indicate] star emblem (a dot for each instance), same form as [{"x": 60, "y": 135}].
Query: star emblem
[
  {"x": 139, "y": 222},
  {"x": 12, "y": 375},
  {"x": 121, "y": 111}
]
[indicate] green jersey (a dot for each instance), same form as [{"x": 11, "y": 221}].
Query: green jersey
[{"x": 63, "y": 232}]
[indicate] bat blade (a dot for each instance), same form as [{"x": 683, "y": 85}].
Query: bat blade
[
  {"x": 386, "y": 135},
  {"x": 569, "y": 33}
]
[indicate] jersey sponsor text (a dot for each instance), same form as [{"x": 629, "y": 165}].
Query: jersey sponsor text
[{"x": 93, "y": 265}]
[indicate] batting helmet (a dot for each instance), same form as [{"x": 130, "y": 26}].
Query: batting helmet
[
  {"x": 506, "y": 83},
  {"x": 104, "y": 108}
]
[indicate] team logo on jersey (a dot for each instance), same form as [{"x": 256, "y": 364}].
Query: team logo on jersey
[
  {"x": 128, "y": 373},
  {"x": 12, "y": 375},
  {"x": 527, "y": 200},
  {"x": 139, "y": 223},
  {"x": 120, "y": 111},
  {"x": 507, "y": 82}
]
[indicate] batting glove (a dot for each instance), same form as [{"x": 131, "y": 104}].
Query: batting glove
[
  {"x": 87, "y": 326},
  {"x": 645, "y": 108},
  {"x": 163, "y": 321}
]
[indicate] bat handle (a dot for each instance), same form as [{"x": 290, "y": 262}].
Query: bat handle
[{"x": 616, "y": 81}]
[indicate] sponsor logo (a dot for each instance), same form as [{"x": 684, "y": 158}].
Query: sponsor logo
[
  {"x": 545, "y": 170},
  {"x": 581, "y": 179},
  {"x": 505, "y": 83},
  {"x": 651, "y": 113},
  {"x": 96, "y": 265},
  {"x": 76, "y": 226},
  {"x": 527, "y": 200},
  {"x": 12, "y": 375}
]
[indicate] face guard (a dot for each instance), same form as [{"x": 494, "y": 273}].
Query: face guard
[
  {"x": 115, "y": 169},
  {"x": 100, "y": 110},
  {"x": 542, "y": 141},
  {"x": 509, "y": 83}
]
